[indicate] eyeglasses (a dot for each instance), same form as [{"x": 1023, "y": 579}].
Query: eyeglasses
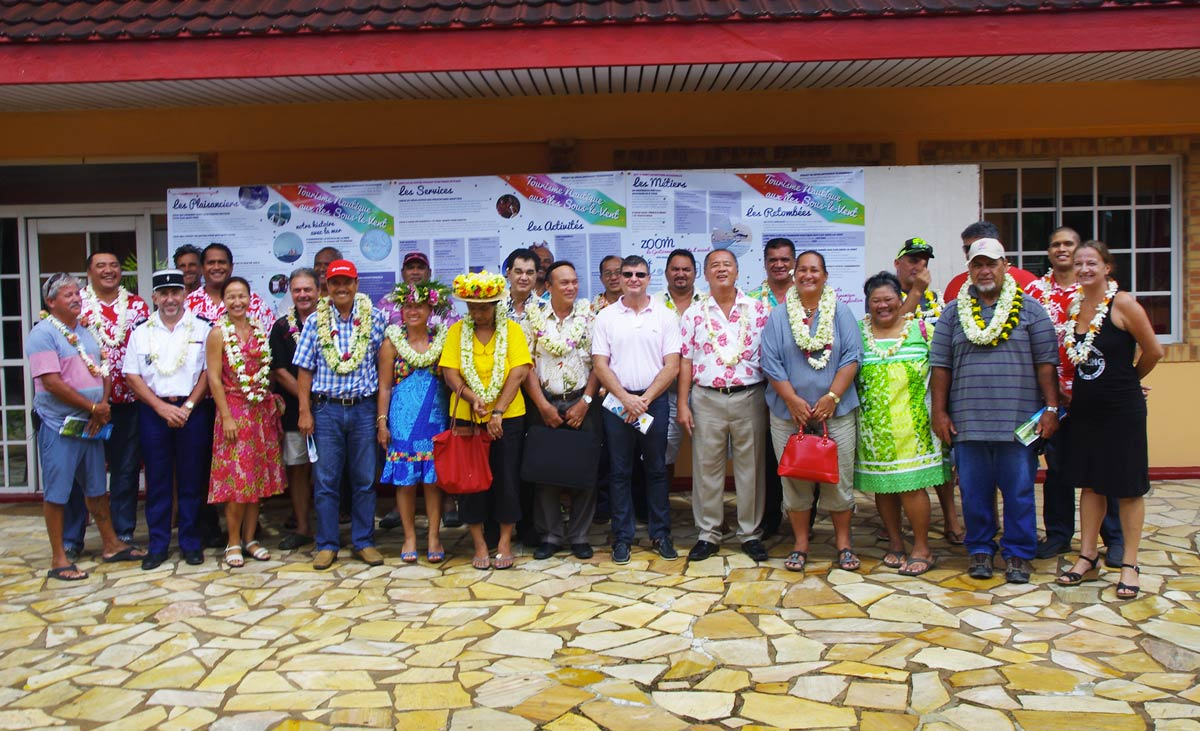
[{"x": 639, "y": 275}]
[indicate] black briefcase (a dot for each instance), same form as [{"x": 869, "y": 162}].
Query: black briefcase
[{"x": 562, "y": 457}]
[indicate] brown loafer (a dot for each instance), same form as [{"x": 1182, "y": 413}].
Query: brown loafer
[
  {"x": 324, "y": 559},
  {"x": 369, "y": 555}
]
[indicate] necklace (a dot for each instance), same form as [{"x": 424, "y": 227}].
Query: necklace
[
  {"x": 1005, "y": 318},
  {"x": 399, "y": 338},
  {"x": 553, "y": 338},
  {"x": 726, "y": 356},
  {"x": 253, "y": 386},
  {"x": 1077, "y": 353},
  {"x": 360, "y": 339},
  {"x": 154, "y": 346},
  {"x": 91, "y": 304},
  {"x": 100, "y": 371},
  {"x": 670, "y": 301},
  {"x": 872, "y": 345},
  {"x": 822, "y": 341},
  {"x": 491, "y": 391},
  {"x": 293, "y": 321},
  {"x": 931, "y": 300}
]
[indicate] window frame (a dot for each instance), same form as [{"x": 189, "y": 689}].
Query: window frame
[{"x": 1175, "y": 206}]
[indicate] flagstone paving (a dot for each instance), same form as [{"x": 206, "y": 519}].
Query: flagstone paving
[{"x": 567, "y": 645}]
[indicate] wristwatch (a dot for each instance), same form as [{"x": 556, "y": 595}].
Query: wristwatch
[
  {"x": 497, "y": 412},
  {"x": 836, "y": 399},
  {"x": 587, "y": 399},
  {"x": 1052, "y": 410},
  {"x": 189, "y": 404}
]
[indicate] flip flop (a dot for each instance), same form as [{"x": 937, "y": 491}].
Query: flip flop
[
  {"x": 433, "y": 556},
  {"x": 956, "y": 539},
  {"x": 61, "y": 573},
  {"x": 503, "y": 562},
  {"x": 795, "y": 561},
  {"x": 482, "y": 563},
  {"x": 129, "y": 553},
  {"x": 893, "y": 559},
  {"x": 408, "y": 556},
  {"x": 923, "y": 564},
  {"x": 847, "y": 561}
]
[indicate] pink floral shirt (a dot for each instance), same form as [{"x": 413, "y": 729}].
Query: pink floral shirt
[
  {"x": 1056, "y": 301},
  {"x": 106, "y": 317},
  {"x": 200, "y": 305},
  {"x": 711, "y": 342}
]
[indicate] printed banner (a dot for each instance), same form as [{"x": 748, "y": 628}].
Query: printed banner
[{"x": 273, "y": 229}]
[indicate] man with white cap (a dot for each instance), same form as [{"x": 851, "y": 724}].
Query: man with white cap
[
  {"x": 165, "y": 368},
  {"x": 337, "y": 382},
  {"x": 994, "y": 355}
]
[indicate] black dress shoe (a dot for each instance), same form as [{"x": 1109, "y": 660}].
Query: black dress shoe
[
  {"x": 755, "y": 550},
  {"x": 153, "y": 561},
  {"x": 451, "y": 520},
  {"x": 546, "y": 550},
  {"x": 1048, "y": 549},
  {"x": 294, "y": 541},
  {"x": 582, "y": 551},
  {"x": 703, "y": 550},
  {"x": 214, "y": 540},
  {"x": 192, "y": 558}
]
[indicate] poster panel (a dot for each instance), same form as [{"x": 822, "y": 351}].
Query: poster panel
[
  {"x": 273, "y": 229},
  {"x": 820, "y": 209},
  {"x": 469, "y": 224}
]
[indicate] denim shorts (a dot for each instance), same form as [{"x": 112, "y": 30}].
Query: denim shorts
[{"x": 66, "y": 460}]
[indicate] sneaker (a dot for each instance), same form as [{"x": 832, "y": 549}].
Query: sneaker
[
  {"x": 1017, "y": 571},
  {"x": 981, "y": 566},
  {"x": 390, "y": 521},
  {"x": 666, "y": 549},
  {"x": 546, "y": 550},
  {"x": 72, "y": 553},
  {"x": 620, "y": 553}
]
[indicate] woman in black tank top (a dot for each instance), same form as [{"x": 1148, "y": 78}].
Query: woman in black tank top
[{"x": 1107, "y": 454}]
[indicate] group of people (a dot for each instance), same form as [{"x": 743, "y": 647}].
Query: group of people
[{"x": 229, "y": 405}]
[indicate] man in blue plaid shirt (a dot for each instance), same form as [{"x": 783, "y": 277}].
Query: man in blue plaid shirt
[{"x": 338, "y": 381}]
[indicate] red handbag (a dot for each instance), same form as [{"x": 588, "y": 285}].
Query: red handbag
[
  {"x": 809, "y": 457},
  {"x": 460, "y": 456}
]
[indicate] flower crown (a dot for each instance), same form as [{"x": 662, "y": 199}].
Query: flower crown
[
  {"x": 479, "y": 286},
  {"x": 431, "y": 291}
]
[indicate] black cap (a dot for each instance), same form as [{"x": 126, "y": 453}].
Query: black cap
[
  {"x": 167, "y": 278},
  {"x": 916, "y": 247}
]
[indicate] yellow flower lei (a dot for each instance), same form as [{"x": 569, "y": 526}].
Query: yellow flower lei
[
  {"x": 935, "y": 307},
  {"x": 1004, "y": 320},
  {"x": 254, "y": 387},
  {"x": 1077, "y": 353},
  {"x": 344, "y": 363},
  {"x": 822, "y": 341}
]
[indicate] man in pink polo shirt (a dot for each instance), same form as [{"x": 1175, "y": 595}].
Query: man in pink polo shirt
[{"x": 635, "y": 354}]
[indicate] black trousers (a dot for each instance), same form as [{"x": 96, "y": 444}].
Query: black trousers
[{"x": 502, "y": 503}]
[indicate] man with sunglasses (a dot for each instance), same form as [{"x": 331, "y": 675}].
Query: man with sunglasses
[{"x": 635, "y": 354}]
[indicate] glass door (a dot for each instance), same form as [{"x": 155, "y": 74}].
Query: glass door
[{"x": 54, "y": 245}]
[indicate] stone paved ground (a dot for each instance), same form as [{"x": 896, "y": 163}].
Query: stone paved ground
[{"x": 567, "y": 646}]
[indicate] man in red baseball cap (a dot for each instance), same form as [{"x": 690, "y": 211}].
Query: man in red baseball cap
[{"x": 338, "y": 380}]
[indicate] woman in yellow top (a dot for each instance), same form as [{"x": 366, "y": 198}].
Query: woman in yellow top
[{"x": 487, "y": 357}]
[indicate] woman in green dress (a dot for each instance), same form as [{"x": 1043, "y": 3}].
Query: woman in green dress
[{"x": 898, "y": 455}]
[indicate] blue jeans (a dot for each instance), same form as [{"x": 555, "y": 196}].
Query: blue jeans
[
  {"x": 177, "y": 461},
  {"x": 345, "y": 443},
  {"x": 1011, "y": 466},
  {"x": 625, "y": 445},
  {"x": 1058, "y": 498},
  {"x": 123, "y": 453}
]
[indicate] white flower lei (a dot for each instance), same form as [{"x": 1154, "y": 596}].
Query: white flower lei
[
  {"x": 1077, "y": 353},
  {"x": 344, "y": 363},
  {"x": 823, "y": 339},
  {"x": 153, "y": 355},
  {"x": 739, "y": 345},
  {"x": 552, "y": 338},
  {"x": 100, "y": 371},
  {"x": 92, "y": 303},
  {"x": 293, "y": 325},
  {"x": 871, "y": 345},
  {"x": 491, "y": 391},
  {"x": 255, "y": 387},
  {"x": 989, "y": 335},
  {"x": 399, "y": 338}
]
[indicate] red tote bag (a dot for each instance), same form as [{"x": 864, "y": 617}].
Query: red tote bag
[
  {"x": 809, "y": 457},
  {"x": 460, "y": 456}
]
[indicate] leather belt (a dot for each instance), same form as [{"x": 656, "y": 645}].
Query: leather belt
[
  {"x": 570, "y": 396},
  {"x": 322, "y": 398},
  {"x": 731, "y": 389}
]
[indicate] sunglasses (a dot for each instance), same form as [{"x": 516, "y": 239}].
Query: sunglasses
[{"x": 639, "y": 275}]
